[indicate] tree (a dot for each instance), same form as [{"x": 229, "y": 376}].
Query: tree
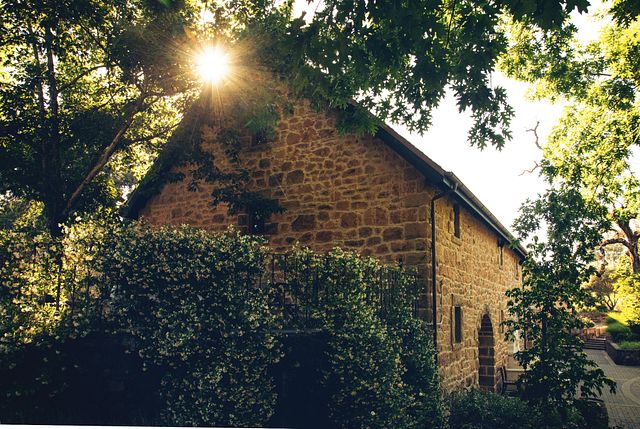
[
  {"x": 89, "y": 88},
  {"x": 592, "y": 145},
  {"x": 604, "y": 288},
  {"x": 82, "y": 82},
  {"x": 593, "y": 142},
  {"x": 546, "y": 307}
]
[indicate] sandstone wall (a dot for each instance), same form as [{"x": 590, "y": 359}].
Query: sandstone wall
[
  {"x": 356, "y": 193},
  {"x": 471, "y": 275}
]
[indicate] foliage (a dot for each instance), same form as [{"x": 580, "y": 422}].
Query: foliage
[
  {"x": 381, "y": 370},
  {"x": 90, "y": 90},
  {"x": 593, "y": 142},
  {"x": 186, "y": 303},
  {"x": 190, "y": 301},
  {"x": 618, "y": 331},
  {"x": 84, "y": 83},
  {"x": 546, "y": 307},
  {"x": 609, "y": 287},
  {"x": 623, "y": 329},
  {"x": 629, "y": 345},
  {"x": 46, "y": 285},
  {"x": 482, "y": 410}
]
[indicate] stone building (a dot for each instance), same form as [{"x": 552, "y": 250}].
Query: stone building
[{"x": 381, "y": 196}]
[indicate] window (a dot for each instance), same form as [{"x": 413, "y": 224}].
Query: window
[
  {"x": 456, "y": 220},
  {"x": 501, "y": 255},
  {"x": 457, "y": 324},
  {"x": 502, "y": 321}
]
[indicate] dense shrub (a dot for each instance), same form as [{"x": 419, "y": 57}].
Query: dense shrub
[
  {"x": 618, "y": 331},
  {"x": 191, "y": 302},
  {"x": 380, "y": 360},
  {"x": 186, "y": 305},
  {"x": 629, "y": 345},
  {"x": 480, "y": 410}
]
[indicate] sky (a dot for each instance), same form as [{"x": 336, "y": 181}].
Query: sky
[{"x": 495, "y": 177}]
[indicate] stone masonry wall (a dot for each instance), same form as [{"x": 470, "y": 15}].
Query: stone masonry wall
[
  {"x": 356, "y": 193},
  {"x": 470, "y": 275}
]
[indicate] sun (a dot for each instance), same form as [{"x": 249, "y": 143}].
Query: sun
[{"x": 212, "y": 64}]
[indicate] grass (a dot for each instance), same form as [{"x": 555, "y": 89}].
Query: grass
[
  {"x": 629, "y": 345},
  {"x": 615, "y": 317}
]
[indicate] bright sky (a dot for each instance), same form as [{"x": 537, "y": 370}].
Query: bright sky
[{"x": 496, "y": 177}]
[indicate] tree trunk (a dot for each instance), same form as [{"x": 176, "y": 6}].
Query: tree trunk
[
  {"x": 53, "y": 185},
  {"x": 631, "y": 244}
]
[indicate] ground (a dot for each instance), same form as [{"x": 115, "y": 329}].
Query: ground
[{"x": 624, "y": 406}]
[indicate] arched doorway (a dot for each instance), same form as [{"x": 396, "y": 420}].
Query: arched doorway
[{"x": 486, "y": 368}]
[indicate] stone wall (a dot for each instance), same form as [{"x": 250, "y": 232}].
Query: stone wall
[
  {"x": 356, "y": 193},
  {"x": 470, "y": 274}
]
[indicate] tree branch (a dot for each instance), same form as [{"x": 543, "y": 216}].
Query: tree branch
[
  {"x": 80, "y": 76},
  {"x": 105, "y": 155},
  {"x": 534, "y": 130},
  {"x": 39, "y": 87},
  {"x": 617, "y": 240},
  {"x": 531, "y": 170},
  {"x": 157, "y": 134}
]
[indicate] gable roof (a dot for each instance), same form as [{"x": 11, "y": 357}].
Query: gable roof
[{"x": 434, "y": 173}]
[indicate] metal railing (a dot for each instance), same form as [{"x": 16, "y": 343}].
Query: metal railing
[{"x": 301, "y": 292}]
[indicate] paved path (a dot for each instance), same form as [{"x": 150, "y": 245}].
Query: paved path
[{"x": 624, "y": 406}]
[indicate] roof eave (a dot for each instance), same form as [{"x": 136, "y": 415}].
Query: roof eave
[{"x": 436, "y": 175}]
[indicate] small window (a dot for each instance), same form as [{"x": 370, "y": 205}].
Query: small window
[
  {"x": 456, "y": 220},
  {"x": 501, "y": 255},
  {"x": 502, "y": 321},
  {"x": 457, "y": 324}
]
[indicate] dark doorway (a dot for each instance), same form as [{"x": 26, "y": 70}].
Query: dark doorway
[{"x": 486, "y": 368}]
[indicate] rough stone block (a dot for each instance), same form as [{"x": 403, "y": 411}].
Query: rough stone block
[{"x": 304, "y": 222}]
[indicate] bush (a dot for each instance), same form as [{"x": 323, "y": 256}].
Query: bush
[
  {"x": 618, "y": 331},
  {"x": 190, "y": 301},
  {"x": 479, "y": 410},
  {"x": 609, "y": 320},
  {"x": 629, "y": 345},
  {"x": 186, "y": 305},
  {"x": 381, "y": 370}
]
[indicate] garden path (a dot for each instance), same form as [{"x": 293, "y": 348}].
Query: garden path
[{"x": 624, "y": 406}]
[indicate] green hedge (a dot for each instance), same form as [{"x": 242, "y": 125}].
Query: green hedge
[
  {"x": 190, "y": 301},
  {"x": 381, "y": 370},
  {"x": 618, "y": 331},
  {"x": 629, "y": 345},
  {"x": 480, "y": 410}
]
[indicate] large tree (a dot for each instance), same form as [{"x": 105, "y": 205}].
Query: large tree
[
  {"x": 562, "y": 229},
  {"x": 83, "y": 80},
  {"x": 86, "y": 84},
  {"x": 593, "y": 144}
]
